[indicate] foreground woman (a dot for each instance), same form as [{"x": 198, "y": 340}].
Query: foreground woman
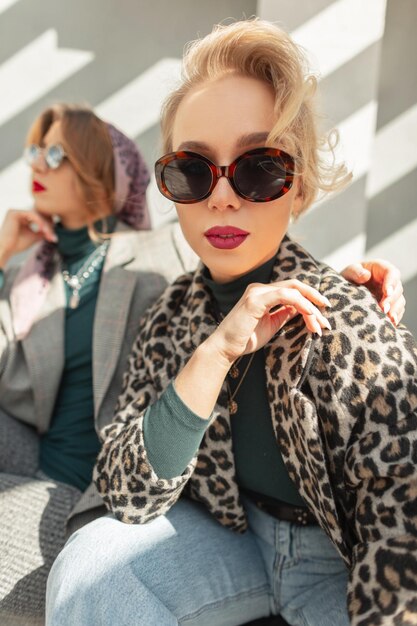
[{"x": 263, "y": 386}]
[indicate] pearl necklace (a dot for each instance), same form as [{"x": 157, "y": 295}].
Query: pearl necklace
[{"x": 76, "y": 281}]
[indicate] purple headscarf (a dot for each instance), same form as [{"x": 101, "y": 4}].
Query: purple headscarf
[
  {"x": 33, "y": 279},
  {"x": 131, "y": 181}
]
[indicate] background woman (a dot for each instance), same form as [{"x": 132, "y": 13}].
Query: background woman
[
  {"x": 68, "y": 316},
  {"x": 274, "y": 393}
]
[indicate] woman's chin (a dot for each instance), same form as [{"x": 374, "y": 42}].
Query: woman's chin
[{"x": 43, "y": 209}]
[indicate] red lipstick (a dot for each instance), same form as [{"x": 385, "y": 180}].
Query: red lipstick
[
  {"x": 226, "y": 237},
  {"x": 37, "y": 187}
]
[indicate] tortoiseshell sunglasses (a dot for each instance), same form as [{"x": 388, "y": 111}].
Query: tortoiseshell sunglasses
[{"x": 259, "y": 175}]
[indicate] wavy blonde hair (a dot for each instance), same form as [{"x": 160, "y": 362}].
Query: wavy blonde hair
[{"x": 261, "y": 50}]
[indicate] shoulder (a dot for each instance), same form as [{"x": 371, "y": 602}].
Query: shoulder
[
  {"x": 167, "y": 307},
  {"x": 21, "y": 262},
  {"x": 363, "y": 348},
  {"x": 163, "y": 249},
  {"x": 363, "y": 355}
]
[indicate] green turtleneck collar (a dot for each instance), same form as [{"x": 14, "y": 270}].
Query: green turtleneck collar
[
  {"x": 227, "y": 294},
  {"x": 75, "y": 244}
]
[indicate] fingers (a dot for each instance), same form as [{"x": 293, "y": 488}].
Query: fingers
[
  {"x": 396, "y": 311},
  {"x": 394, "y": 304},
  {"x": 383, "y": 279},
  {"x": 264, "y": 299},
  {"x": 356, "y": 273},
  {"x": 391, "y": 299},
  {"x": 38, "y": 224},
  {"x": 384, "y": 275},
  {"x": 282, "y": 316},
  {"x": 391, "y": 280},
  {"x": 308, "y": 292}
]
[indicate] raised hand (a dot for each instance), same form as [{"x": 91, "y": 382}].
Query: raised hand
[
  {"x": 20, "y": 230},
  {"x": 263, "y": 310},
  {"x": 255, "y": 318},
  {"x": 383, "y": 280}
]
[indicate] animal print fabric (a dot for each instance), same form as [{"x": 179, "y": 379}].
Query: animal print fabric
[{"x": 344, "y": 411}]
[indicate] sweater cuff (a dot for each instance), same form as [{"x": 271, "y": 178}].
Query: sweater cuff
[{"x": 172, "y": 434}]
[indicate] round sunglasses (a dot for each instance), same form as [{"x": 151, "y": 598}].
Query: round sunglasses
[
  {"x": 258, "y": 175},
  {"x": 53, "y": 155}
]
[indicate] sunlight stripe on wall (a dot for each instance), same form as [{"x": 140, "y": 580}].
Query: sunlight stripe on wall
[
  {"x": 353, "y": 250},
  {"x": 340, "y": 32},
  {"x": 394, "y": 152},
  {"x": 35, "y": 70},
  {"x": 5, "y": 4},
  {"x": 400, "y": 247},
  {"x": 136, "y": 107}
]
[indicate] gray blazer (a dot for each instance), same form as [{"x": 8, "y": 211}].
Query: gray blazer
[{"x": 138, "y": 267}]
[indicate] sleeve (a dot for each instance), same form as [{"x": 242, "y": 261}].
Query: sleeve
[
  {"x": 372, "y": 369},
  {"x": 124, "y": 475},
  {"x": 170, "y": 420}
]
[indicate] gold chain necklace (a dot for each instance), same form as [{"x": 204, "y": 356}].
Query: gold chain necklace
[
  {"x": 234, "y": 370},
  {"x": 234, "y": 373}
]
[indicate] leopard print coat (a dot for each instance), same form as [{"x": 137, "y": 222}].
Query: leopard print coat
[{"x": 344, "y": 411}]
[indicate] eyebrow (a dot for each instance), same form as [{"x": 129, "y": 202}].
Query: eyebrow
[{"x": 243, "y": 141}]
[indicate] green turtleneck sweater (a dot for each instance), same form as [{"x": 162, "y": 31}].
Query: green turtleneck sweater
[
  {"x": 69, "y": 449},
  {"x": 259, "y": 464}
]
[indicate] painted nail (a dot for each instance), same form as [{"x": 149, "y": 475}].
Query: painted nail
[
  {"x": 327, "y": 324},
  {"x": 390, "y": 290},
  {"x": 386, "y": 307},
  {"x": 394, "y": 318},
  {"x": 318, "y": 329}
]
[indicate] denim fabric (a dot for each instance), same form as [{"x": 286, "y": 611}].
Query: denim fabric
[{"x": 185, "y": 568}]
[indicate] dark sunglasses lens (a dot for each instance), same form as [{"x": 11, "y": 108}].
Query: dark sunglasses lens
[
  {"x": 54, "y": 156},
  {"x": 260, "y": 176},
  {"x": 187, "y": 179}
]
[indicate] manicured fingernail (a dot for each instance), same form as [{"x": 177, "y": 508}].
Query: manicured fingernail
[
  {"x": 327, "y": 301},
  {"x": 386, "y": 307},
  {"x": 394, "y": 318},
  {"x": 327, "y": 324},
  {"x": 318, "y": 329}
]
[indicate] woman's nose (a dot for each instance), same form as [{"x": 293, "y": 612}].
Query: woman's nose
[
  {"x": 39, "y": 164},
  {"x": 224, "y": 196}
]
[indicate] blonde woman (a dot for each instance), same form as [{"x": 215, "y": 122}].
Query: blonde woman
[{"x": 272, "y": 394}]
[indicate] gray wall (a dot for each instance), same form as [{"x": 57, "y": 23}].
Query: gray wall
[
  {"x": 367, "y": 52},
  {"x": 123, "y": 56}
]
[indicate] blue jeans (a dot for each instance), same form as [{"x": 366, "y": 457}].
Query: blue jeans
[{"x": 185, "y": 568}]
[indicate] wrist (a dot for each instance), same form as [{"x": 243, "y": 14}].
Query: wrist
[
  {"x": 212, "y": 352},
  {"x": 4, "y": 257}
]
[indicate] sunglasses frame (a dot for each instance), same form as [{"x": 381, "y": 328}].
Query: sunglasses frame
[
  {"x": 217, "y": 171},
  {"x": 44, "y": 151}
]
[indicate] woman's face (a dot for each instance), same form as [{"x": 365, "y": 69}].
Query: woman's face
[
  {"x": 56, "y": 191},
  {"x": 221, "y": 120}
]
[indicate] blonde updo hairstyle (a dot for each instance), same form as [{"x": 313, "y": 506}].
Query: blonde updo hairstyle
[
  {"x": 261, "y": 50},
  {"x": 88, "y": 146}
]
